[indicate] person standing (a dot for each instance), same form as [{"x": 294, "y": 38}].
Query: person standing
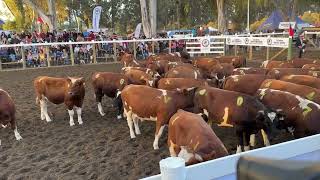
[{"x": 300, "y": 45}]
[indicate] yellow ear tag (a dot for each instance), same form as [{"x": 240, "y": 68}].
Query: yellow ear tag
[
  {"x": 268, "y": 84},
  {"x": 202, "y": 92},
  {"x": 310, "y": 95},
  {"x": 306, "y": 111},
  {"x": 239, "y": 101},
  {"x": 121, "y": 81}
]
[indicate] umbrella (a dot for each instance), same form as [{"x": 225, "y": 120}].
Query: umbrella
[{"x": 1, "y": 22}]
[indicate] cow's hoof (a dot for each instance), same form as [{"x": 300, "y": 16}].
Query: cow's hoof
[
  {"x": 155, "y": 147},
  {"x": 49, "y": 120},
  {"x": 102, "y": 114},
  {"x": 18, "y": 138},
  {"x": 72, "y": 124},
  {"x": 119, "y": 117}
]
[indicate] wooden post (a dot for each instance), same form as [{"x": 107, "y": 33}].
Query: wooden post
[
  {"x": 0, "y": 64},
  {"x": 250, "y": 52},
  {"x": 170, "y": 46},
  {"x": 224, "y": 46},
  {"x": 268, "y": 53},
  {"x": 114, "y": 51},
  {"x": 23, "y": 57},
  {"x": 94, "y": 52},
  {"x": 153, "y": 46},
  {"x": 48, "y": 56},
  {"x": 134, "y": 49},
  {"x": 235, "y": 50},
  {"x": 71, "y": 55},
  {"x": 289, "y": 57}
]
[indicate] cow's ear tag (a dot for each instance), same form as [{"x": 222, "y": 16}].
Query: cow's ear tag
[
  {"x": 239, "y": 101},
  {"x": 121, "y": 81},
  {"x": 202, "y": 92},
  {"x": 306, "y": 111},
  {"x": 310, "y": 95}
]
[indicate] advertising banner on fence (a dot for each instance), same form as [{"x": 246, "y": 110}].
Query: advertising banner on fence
[
  {"x": 96, "y": 14},
  {"x": 258, "y": 41},
  {"x": 205, "y": 45}
]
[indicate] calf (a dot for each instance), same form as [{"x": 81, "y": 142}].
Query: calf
[
  {"x": 277, "y": 73},
  {"x": 300, "y": 62},
  {"x": 301, "y": 115},
  {"x": 128, "y": 60},
  {"x": 8, "y": 113},
  {"x": 183, "y": 83},
  {"x": 184, "y": 72},
  {"x": 157, "y": 105},
  {"x": 315, "y": 67},
  {"x": 69, "y": 91},
  {"x": 303, "y": 80},
  {"x": 247, "y": 84},
  {"x": 301, "y": 90},
  {"x": 140, "y": 78},
  {"x": 276, "y": 64},
  {"x": 236, "y": 61},
  {"x": 232, "y": 109},
  {"x": 151, "y": 72},
  {"x": 192, "y": 139},
  {"x": 109, "y": 84},
  {"x": 250, "y": 70}
]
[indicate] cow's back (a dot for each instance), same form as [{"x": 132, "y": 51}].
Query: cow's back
[
  {"x": 248, "y": 84},
  {"x": 109, "y": 82},
  {"x": 303, "y": 80},
  {"x": 180, "y": 83},
  {"x": 277, "y": 73}
]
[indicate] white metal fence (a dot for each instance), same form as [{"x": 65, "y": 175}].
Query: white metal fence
[
  {"x": 71, "y": 53},
  {"x": 304, "y": 149}
]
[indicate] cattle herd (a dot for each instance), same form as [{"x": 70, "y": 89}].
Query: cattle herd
[{"x": 189, "y": 95}]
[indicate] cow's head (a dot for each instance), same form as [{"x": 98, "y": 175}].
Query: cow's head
[
  {"x": 270, "y": 121},
  {"x": 75, "y": 86},
  {"x": 4, "y": 119}
]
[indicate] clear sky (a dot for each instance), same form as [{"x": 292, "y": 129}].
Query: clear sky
[{"x": 4, "y": 11}]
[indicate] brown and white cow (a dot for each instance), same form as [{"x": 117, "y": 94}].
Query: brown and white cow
[
  {"x": 307, "y": 92},
  {"x": 232, "y": 109},
  {"x": 192, "y": 139},
  {"x": 303, "y": 80},
  {"x": 236, "y": 61},
  {"x": 140, "y": 78},
  {"x": 247, "y": 84},
  {"x": 315, "y": 67},
  {"x": 111, "y": 85},
  {"x": 8, "y": 113},
  {"x": 128, "y": 60},
  {"x": 69, "y": 91},
  {"x": 146, "y": 103},
  {"x": 249, "y": 70},
  {"x": 184, "y": 72},
  {"x": 183, "y": 83},
  {"x": 172, "y": 57},
  {"x": 301, "y": 116},
  {"x": 300, "y": 62},
  {"x": 315, "y": 74},
  {"x": 277, "y": 73},
  {"x": 151, "y": 72},
  {"x": 270, "y": 64}
]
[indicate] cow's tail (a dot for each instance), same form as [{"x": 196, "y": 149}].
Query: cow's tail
[{"x": 37, "y": 100}]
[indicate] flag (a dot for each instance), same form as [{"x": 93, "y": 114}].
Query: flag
[
  {"x": 96, "y": 18},
  {"x": 39, "y": 20},
  {"x": 291, "y": 31}
]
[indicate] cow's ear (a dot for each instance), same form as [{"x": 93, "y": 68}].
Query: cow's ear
[
  {"x": 69, "y": 79},
  {"x": 82, "y": 80}
]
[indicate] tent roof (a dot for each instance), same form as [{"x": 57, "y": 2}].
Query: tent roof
[
  {"x": 272, "y": 22},
  {"x": 301, "y": 23}
]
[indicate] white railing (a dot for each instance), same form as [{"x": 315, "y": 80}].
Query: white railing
[{"x": 306, "y": 149}]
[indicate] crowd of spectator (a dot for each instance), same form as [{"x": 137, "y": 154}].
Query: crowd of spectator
[{"x": 38, "y": 56}]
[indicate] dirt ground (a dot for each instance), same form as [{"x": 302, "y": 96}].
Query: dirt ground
[{"x": 101, "y": 148}]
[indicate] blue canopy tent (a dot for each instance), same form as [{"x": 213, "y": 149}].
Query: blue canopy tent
[
  {"x": 272, "y": 23},
  {"x": 301, "y": 24}
]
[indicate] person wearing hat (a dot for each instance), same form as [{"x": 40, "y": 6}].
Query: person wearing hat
[{"x": 300, "y": 44}]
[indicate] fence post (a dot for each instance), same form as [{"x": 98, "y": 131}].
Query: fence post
[
  {"x": 170, "y": 45},
  {"x": 224, "y": 46},
  {"x": 48, "y": 56},
  {"x": 0, "y": 64},
  {"x": 153, "y": 46},
  {"x": 250, "y": 52},
  {"x": 71, "y": 54},
  {"x": 134, "y": 49},
  {"x": 268, "y": 51},
  {"x": 114, "y": 51},
  {"x": 289, "y": 57},
  {"x": 94, "y": 52},
  {"x": 23, "y": 58}
]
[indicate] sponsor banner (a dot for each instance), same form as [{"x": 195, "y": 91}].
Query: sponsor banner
[
  {"x": 205, "y": 45},
  {"x": 96, "y": 14},
  {"x": 286, "y": 25},
  {"x": 258, "y": 41}
]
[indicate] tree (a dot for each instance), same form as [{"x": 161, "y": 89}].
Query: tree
[
  {"x": 149, "y": 19},
  {"x": 221, "y": 16}
]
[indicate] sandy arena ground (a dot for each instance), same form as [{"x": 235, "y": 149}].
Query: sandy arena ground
[{"x": 101, "y": 148}]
